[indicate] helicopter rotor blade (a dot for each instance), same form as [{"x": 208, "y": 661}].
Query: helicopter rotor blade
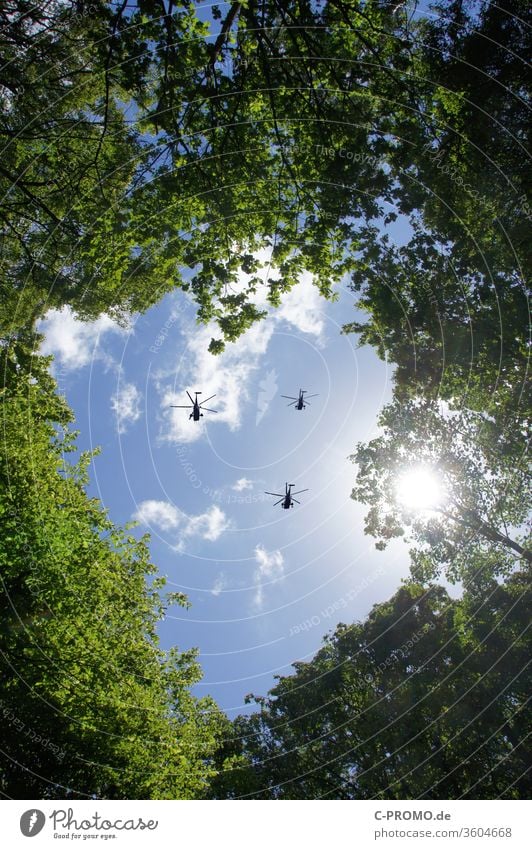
[
  {"x": 311, "y": 396},
  {"x": 180, "y": 406},
  {"x": 295, "y": 499},
  {"x": 289, "y": 396},
  {"x": 292, "y": 403},
  {"x": 190, "y": 396},
  {"x": 208, "y": 399},
  {"x": 208, "y": 410},
  {"x": 300, "y": 491},
  {"x": 278, "y": 502},
  {"x": 278, "y": 494}
]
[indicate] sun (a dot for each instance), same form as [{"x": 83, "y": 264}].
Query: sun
[{"x": 419, "y": 489}]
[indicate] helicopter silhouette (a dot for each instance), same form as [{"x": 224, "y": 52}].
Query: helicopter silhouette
[
  {"x": 288, "y": 498},
  {"x": 301, "y": 402},
  {"x": 196, "y": 413}
]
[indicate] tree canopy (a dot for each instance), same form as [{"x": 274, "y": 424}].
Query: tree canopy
[
  {"x": 424, "y": 699},
  {"x": 484, "y": 487},
  {"x": 90, "y": 704},
  {"x": 145, "y": 149},
  {"x": 152, "y": 151}
]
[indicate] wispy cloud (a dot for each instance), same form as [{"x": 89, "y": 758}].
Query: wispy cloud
[
  {"x": 258, "y": 597},
  {"x": 271, "y": 564},
  {"x": 229, "y": 375},
  {"x": 126, "y": 405},
  {"x": 75, "y": 343},
  {"x": 303, "y": 307},
  {"x": 267, "y": 390},
  {"x": 167, "y": 517},
  {"x": 219, "y": 585},
  {"x": 270, "y": 569}
]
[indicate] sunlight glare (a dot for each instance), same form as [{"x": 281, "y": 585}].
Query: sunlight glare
[{"x": 419, "y": 489}]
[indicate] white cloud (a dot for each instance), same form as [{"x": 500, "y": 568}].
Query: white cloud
[
  {"x": 126, "y": 405},
  {"x": 219, "y": 584},
  {"x": 241, "y": 484},
  {"x": 209, "y": 525},
  {"x": 258, "y": 596},
  {"x": 271, "y": 564},
  {"x": 303, "y": 307},
  {"x": 159, "y": 514},
  {"x": 228, "y": 375},
  {"x": 270, "y": 569},
  {"x": 75, "y": 343},
  {"x": 165, "y": 516},
  {"x": 267, "y": 390}
]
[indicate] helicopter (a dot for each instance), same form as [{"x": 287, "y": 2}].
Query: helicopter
[
  {"x": 196, "y": 413},
  {"x": 301, "y": 402},
  {"x": 288, "y": 498}
]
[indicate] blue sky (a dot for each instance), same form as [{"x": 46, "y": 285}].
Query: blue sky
[{"x": 265, "y": 584}]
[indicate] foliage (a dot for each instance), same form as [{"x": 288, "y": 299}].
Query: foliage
[
  {"x": 145, "y": 150},
  {"x": 67, "y": 159},
  {"x": 91, "y": 705},
  {"x": 485, "y": 490},
  {"x": 425, "y": 699},
  {"x": 471, "y": 162},
  {"x": 153, "y": 151},
  {"x": 453, "y": 332}
]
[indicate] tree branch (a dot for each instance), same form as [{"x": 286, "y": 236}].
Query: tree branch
[{"x": 226, "y": 26}]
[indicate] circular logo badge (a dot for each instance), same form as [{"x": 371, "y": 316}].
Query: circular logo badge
[{"x": 32, "y": 822}]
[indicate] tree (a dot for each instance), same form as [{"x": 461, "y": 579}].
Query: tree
[
  {"x": 453, "y": 333},
  {"x": 483, "y": 487},
  {"x": 424, "y": 699},
  {"x": 69, "y": 159},
  {"x": 127, "y": 213},
  {"x": 424, "y": 114},
  {"x": 469, "y": 154},
  {"x": 450, "y": 306},
  {"x": 290, "y": 128},
  {"x": 90, "y": 704}
]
